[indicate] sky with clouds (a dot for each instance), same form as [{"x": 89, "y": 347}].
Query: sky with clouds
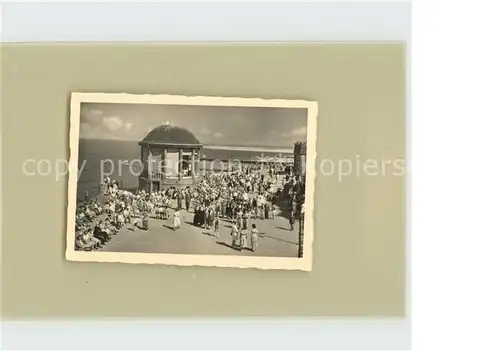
[{"x": 243, "y": 126}]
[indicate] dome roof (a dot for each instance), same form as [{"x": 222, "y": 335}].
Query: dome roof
[{"x": 170, "y": 135}]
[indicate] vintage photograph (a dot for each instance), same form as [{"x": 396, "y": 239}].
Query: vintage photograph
[{"x": 204, "y": 181}]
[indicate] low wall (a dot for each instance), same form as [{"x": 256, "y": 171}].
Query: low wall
[{"x": 217, "y": 165}]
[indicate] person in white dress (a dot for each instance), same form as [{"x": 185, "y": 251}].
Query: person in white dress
[
  {"x": 254, "y": 237},
  {"x": 177, "y": 220}
]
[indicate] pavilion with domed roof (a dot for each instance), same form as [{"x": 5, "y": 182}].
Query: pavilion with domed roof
[{"x": 170, "y": 156}]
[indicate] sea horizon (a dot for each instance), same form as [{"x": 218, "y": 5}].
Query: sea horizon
[
  {"x": 115, "y": 151},
  {"x": 273, "y": 149},
  {"x": 250, "y": 148}
]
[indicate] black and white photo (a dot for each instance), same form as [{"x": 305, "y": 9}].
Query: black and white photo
[{"x": 177, "y": 180}]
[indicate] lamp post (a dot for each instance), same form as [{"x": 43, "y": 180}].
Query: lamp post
[{"x": 301, "y": 231}]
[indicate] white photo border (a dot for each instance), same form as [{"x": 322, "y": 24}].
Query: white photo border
[{"x": 303, "y": 263}]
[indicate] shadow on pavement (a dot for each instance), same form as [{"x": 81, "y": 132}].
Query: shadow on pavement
[
  {"x": 278, "y": 239},
  {"x": 227, "y": 245}
]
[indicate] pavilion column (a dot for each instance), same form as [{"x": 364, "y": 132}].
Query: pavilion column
[
  {"x": 143, "y": 161},
  {"x": 181, "y": 161},
  {"x": 193, "y": 170},
  {"x": 150, "y": 170},
  {"x": 165, "y": 163},
  {"x": 150, "y": 162},
  {"x": 198, "y": 160}
]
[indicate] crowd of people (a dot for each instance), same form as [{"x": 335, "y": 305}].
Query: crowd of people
[
  {"x": 236, "y": 196},
  {"x": 97, "y": 221},
  {"x": 242, "y": 196}
]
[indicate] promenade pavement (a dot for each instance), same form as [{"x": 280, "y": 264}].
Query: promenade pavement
[{"x": 276, "y": 240}]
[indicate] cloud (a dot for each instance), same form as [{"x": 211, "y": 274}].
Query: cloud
[
  {"x": 112, "y": 123},
  {"x": 85, "y": 127},
  {"x": 205, "y": 131},
  {"x": 297, "y": 132},
  {"x": 91, "y": 116},
  {"x": 94, "y": 125},
  {"x": 207, "y": 134}
]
